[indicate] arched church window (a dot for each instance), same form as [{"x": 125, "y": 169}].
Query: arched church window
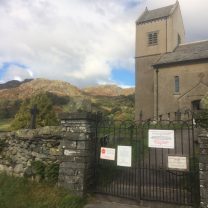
[{"x": 177, "y": 84}]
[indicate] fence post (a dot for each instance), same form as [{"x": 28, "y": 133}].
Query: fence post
[
  {"x": 78, "y": 152},
  {"x": 203, "y": 168}
]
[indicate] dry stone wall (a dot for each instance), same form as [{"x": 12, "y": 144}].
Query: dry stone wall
[
  {"x": 71, "y": 146},
  {"x": 18, "y": 150}
]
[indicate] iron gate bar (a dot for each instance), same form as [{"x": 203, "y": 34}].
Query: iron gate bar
[{"x": 148, "y": 178}]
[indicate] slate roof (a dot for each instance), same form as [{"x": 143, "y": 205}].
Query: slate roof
[
  {"x": 150, "y": 15},
  {"x": 184, "y": 53}
]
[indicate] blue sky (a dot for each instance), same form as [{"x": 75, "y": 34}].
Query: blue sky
[
  {"x": 6, "y": 65},
  {"x": 123, "y": 77},
  {"x": 14, "y": 71},
  {"x": 4, "y": 69},
  {"x": 78, "y": 41}
]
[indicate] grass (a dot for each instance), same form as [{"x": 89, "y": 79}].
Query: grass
[
  {"x": 21, "y": 193},
  {"x": 5, "y": 124}
]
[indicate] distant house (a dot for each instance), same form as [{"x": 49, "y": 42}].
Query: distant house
[{"x": 170, "y": 75}]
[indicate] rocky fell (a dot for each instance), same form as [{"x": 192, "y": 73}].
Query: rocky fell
[
  {"x": 113, "y": 101},
  {"x": 108, "y": 90},
  {"x": 34, "y": 87},
  {"x": 22, "y": 90}
]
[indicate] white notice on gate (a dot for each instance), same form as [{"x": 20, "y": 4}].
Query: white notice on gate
[
  {"x": 161, "y": 138},
  {"x": 177, "y": 162},
  {"x": 107, "y": 153},
  {"x": 124, "y": 154}
]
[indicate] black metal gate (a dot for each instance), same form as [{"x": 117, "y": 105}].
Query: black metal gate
[{"x": 149, "y": 177}]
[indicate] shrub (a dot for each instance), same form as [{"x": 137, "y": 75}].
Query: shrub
[
  {"x": 45, "y": 117},
  {"x": 202, "y": 119},
  {"x": 48, "y": 173},
  {"x": 52, "y": 173},
  {"x": 38, "y": 169}
]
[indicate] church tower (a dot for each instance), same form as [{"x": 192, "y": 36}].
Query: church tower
[{"x": 158, "y": 32}]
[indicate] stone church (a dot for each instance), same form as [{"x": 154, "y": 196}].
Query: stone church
[{"x": 171, "y": 75}]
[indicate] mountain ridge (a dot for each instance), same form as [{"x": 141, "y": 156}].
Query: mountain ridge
[
  {"x": 27, "y": 88},
  {"x": 108, "y": 90},
  {"x": 112, "y": 101},
  {"x": 13, "y": 84}
]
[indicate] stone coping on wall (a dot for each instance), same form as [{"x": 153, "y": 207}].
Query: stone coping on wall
[{"x": 44, "y": 132}]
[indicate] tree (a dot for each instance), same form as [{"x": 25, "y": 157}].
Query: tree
[
  {"x": 45, "y": 117},
  {"x": 8, "y": 108},
  {"x": 204, "y": 102}
]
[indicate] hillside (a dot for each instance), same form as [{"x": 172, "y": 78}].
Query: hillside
[
  {"x": 34, "y": 87},
  {"x": 108, "y": 90},
  {"x": 14, "y": 90},
  {"x": 113, "y": 101}
]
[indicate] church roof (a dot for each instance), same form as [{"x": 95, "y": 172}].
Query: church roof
[
  {"x": 149, "y": 15},
  {"x": 185, "y": 53}
]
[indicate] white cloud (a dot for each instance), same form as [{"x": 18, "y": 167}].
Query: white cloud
[
  {"x": 80, "y": 41},
  {"x": 126, "y": 86},
  {"x": 18, "y": 78}
]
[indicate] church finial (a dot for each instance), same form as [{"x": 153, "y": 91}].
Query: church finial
[{"x": 146, "y": 9}]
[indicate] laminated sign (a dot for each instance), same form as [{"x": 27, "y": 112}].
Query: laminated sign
[
  {"x": 124, "y": 154},
  {"x": 178, "y": 162},
  {"x": 161, "y": 138},
  {"x": 107, "y": 153}
]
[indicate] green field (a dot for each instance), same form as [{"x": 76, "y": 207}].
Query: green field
[
  {"x": 21, "y": 193},
  {"x": 5, "y": 124}
]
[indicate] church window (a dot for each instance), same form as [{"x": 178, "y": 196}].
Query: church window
[
  {"x": 152, "y": 38},
  {"x": 177, "y": 87}
]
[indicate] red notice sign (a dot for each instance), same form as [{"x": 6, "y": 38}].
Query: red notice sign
[
  {"x": 107, "y": 153},
  {"x": 103, "y": 150}
]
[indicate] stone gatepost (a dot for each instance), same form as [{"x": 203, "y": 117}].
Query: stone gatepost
[
  {"x": 203, "y": 167},
  {"x": 76, "y": 171}
]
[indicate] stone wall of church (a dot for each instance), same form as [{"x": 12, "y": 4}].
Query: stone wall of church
[
  {"x": 168, "y": 30},
  {"x": 192, "y": 82},
  {"x": 144, "y": 92},
  {"x": 142, "y": 30},
  {"x": 175, "y": 27}
]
